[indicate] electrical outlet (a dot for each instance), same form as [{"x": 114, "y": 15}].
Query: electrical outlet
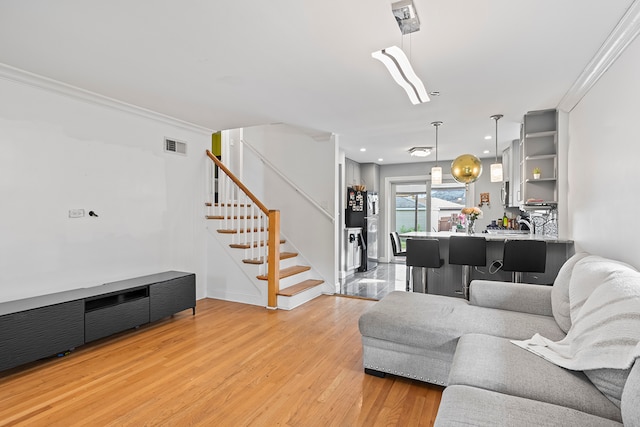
[{"x": 76, "y": 213}]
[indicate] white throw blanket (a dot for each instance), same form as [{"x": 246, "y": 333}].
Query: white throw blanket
[{"x": 605, "y": 330}]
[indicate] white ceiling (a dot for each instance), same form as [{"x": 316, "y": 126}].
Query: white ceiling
[{"x": 229, "y": 64}]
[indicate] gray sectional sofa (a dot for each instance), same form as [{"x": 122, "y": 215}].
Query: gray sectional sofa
[{"x": 467, "y": 347}]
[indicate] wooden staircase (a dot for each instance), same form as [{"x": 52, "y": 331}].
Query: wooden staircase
[{"x": 242, "y": 219}]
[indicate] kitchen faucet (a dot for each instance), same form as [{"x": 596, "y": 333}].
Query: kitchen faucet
[{"x": 529, "y": 223}]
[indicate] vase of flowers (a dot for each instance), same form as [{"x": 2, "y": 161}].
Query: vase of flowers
[{"x": 471, "y": 214}]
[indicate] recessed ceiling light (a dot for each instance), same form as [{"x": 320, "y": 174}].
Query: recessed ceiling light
[
  {"x": 487, "y": 137},
  {"x": 380, "y": 159},
  {"x": 486, "y": 151},
  {"x": 434, "y": 93},
  {"x": 363, "y": 149}
]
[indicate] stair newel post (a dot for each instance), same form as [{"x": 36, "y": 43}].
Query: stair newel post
[{"x": 273, "y": 261}]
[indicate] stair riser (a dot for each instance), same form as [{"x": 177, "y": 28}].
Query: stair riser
[
  {"x": 289, "y": 262},
  {"x": 289, "y": 303},
  {"x": 297, "y": 278}
]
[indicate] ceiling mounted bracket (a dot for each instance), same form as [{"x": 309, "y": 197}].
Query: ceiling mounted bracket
[{"x": 406, "y": 16}]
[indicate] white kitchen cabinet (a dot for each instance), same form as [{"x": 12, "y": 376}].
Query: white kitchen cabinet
[{"x": 539, "y": 149}]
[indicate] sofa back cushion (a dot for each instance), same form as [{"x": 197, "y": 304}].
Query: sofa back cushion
[
  {"x": 560, "y": 292},
  {"x": 588, "y": 274},
  {"x": 631, "y": 397}
]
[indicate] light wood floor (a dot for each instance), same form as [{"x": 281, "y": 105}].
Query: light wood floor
[{"x": 229, "y": 365}]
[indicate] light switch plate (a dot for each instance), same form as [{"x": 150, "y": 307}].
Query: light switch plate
[{"x": 76, "y": 213}]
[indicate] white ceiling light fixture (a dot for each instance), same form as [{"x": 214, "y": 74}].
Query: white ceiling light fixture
[
  {"x": 436, "y": 171},
  {"x": 400, "y": 68},
  {"x": 420, "y": 151},
  {"x": 496, "y": 168}
]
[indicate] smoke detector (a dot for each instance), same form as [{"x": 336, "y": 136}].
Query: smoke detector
[{"x": 405, "y": 13}]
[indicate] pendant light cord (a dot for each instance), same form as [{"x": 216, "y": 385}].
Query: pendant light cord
[
  {"x": 437, "y": 145},
  {"x": 496, "y": 140},
  {"x": 437, "y": 125},
  {"x": 496, "y": 117}
]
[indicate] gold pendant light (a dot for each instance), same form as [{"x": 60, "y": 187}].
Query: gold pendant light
[{"x": 466, "y": 168}]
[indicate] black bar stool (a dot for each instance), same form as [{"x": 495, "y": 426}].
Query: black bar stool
[
  {"x": 396, "y": 245},
  {"x": 423, "y": 253},
  {"x": 467, "y": 251},
  {"x": 524, "y": 256}
]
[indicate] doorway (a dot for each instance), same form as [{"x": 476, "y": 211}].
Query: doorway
[{"x": 414, "y": 204}]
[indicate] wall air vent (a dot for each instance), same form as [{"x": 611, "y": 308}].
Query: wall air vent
[{"x": 174, "y": 146}]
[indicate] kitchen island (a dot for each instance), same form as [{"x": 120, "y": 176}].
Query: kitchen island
[{"x": 447, "y": 280}]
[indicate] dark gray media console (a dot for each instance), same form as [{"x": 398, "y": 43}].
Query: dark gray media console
[{"x": 43, "y": 326}]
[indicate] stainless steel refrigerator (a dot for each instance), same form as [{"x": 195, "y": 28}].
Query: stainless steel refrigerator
[{"x": 362, "y": 211}]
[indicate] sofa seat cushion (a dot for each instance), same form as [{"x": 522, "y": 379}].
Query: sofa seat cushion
[
  {"x": 498, "y": 365},
  {"x": 433, "y": 321},
  {"x": 469, "y": 406}
]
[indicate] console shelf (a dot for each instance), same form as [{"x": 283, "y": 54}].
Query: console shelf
[{"x": 34, "y": 328}]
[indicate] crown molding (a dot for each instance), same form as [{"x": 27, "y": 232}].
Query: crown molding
[
  {"x": 620, "y": 38},
  {"x": 27, "y": 78}
]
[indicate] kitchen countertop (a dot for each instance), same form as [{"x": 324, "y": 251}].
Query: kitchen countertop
[{"x": 501, "y": 236}]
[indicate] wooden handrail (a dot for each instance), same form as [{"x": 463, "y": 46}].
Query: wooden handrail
[{"x": 235, "y": 179}]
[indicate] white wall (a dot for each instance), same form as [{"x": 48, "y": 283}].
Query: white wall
[
  {"x": 603, "y": 155},
  {"x": 310, "y": 160},
  {"x": 59, "y": 153}
]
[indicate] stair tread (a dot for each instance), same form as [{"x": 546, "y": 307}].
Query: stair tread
[
  {"x": 236, "y": 231},
  {"x": 230, "y": 217},
  {"x": 289, "y": 271},
  {"x": 283, "y": 255},
  {"x": 248, "y": 246},
  {"x": 243, "y": 205},
  {"x": 300, "y": 287},
  {"x": 287, "y": 255}
]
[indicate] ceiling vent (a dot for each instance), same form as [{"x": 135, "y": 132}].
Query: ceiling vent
[
  {"x": 420, "y": 151},
  {"x": 175, "y": 146},
  {"x": 406, "y": 16}
]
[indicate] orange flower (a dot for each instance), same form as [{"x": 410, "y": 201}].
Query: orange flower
[{"x": 473, "y": 212}]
